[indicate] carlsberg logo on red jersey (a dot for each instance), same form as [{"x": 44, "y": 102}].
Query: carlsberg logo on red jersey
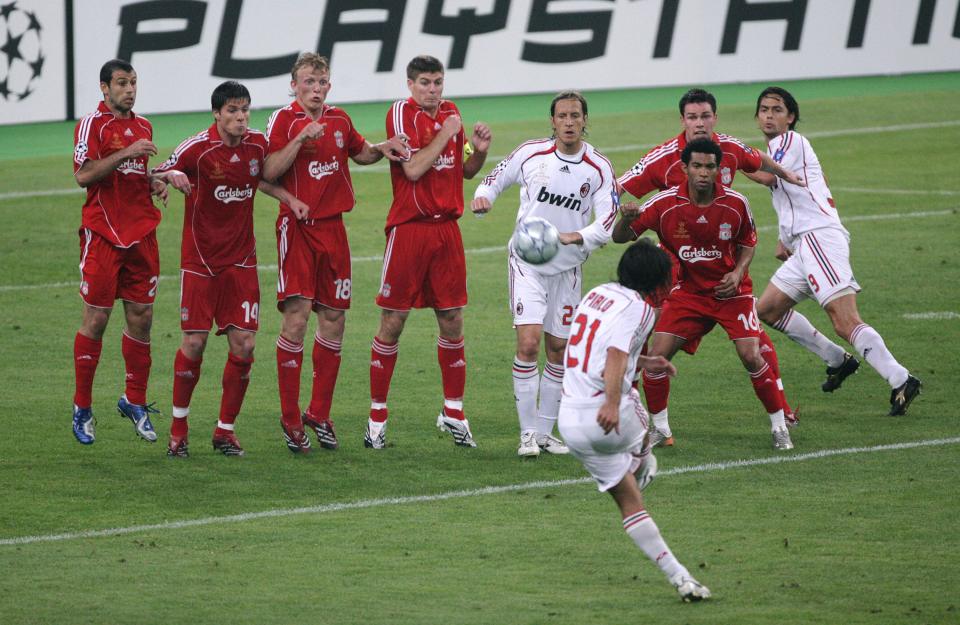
[
  {"x": 692, "y": 254},
  {"x": 444, "y": 161},
  {"x": 132, "y": 166},
  {"x": 318, "y": 170},
  {"x": 232, "y": 194}
]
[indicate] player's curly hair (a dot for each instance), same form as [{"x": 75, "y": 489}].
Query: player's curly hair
[
  {"x": 788, "y": 101},
  {"x": 645, "y": 268},
  {"x": 701, "y": 146}
]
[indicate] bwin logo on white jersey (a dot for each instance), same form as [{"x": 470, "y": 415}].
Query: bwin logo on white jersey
[
  {"x": 692, "y": 254},
  {"x": 558, "y": 199},
  {"x": 232, "y": 194},
  {"x": 318, "y": 170}
]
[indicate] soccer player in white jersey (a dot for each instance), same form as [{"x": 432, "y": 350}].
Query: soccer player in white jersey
[
  {"x": 601, "y": 417},
  {"x": 816, "y": 249},
  {"x": 564, "y": 180}
]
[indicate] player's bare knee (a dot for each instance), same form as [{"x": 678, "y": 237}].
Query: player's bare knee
[
  {"x": 450, "y": 323},
  {"x": 94, "y": 322},
  {"x": 242, "y": 344},
  {"x": 528, "y": 349}
]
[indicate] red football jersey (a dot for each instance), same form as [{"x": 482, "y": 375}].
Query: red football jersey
[
  {"x": 218, "y": 215},
  {"x": 118, "y": 207},
  {"x": 660, "y": 168},
  {"x": 438, "y": 194},
  {"x": 703, "y": 239},
  {"x": 320, "y": 174}
]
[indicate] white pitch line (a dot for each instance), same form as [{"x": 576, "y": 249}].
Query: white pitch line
[
  {"x": 459, "y": 494},
  {"x": 12, "y": 288},
  {"x": 932, "y": 316},
  {"x": 382, "y": 168}
]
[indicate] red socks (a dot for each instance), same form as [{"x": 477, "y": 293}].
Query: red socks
[
  {"x": 86, "y": 356},
  {"x": 656, "y": 391},
  {"x": 765, "y": 386},
  {"x": 326, "y": 365},
  {"x": 383, "y": 359},
  {"x": 289, "y": 361},
  {"x": 769, "y": 354},
  {"x": 136, "y": 356},
  {"x": 453, "y": 373},
  {"x": 236, "y": 378}
]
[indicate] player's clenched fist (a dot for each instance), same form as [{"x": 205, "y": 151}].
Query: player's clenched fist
[
  {"x": 141, "y": 147},
  {"x": 481, "y": 137},
  {"x": 311, "y": 131}
]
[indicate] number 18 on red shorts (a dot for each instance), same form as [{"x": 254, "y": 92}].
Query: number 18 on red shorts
[{"x": 231, "y": 298}]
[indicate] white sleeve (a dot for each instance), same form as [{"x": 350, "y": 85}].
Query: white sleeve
[
  {"x": 506, "y": 173},
  {"x": 787, "y": 150},
  {"x": 606, "y": 204},
  {"x": 625, "y": 326}
]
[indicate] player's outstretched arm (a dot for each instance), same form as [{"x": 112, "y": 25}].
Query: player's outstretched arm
[
  {"x": 771, "y": 166},
  {"x": 761, "y": 177},
  {"x": 622, "y": 232},
  {"x": 395, "y": 149},
  {"x": 608, "y": 417},
  {"x": 481, "y": 205},
  {"x": 480, "y": 141},
  {"x": 93, "y": 171}
]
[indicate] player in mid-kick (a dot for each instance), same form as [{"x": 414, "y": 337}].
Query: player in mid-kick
[
  {"x": 815, "y": 248},
  {"x": 566, "y": 181},
  {"x": 601, "y": 417}
]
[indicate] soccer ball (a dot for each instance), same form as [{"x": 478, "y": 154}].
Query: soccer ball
[
  {"x": 536, "y": 240},
  {"x": 21, "y": 57}
]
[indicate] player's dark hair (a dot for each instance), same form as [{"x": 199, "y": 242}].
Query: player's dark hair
[
  {"x": 701, "y": 146},
  {"x": 229, "y": 90},
  {"x": 569, "y": 95},
  {"x": 423, "y": 64},
  {"x": 696, "y": 96},
  {"x": 645, "y": 268},
  {"x": 788, "y": 100},
  {"x": 106, "y": 72}
]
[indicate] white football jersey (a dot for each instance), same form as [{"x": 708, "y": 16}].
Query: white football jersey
[
  {"x": 574, "y": 193},
  {"x": 801, "y": 209},
  {"x": 610, "y": 315}
]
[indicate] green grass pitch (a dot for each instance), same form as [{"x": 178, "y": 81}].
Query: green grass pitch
[{"x": 867, "y": 536}]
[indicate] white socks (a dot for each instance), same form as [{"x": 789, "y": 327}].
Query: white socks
[
  {"x": 645, "y": 534},
  {"x": 801, "y": 331},
  {"x": 526, "y": 386},
  {"x": 870, "y": 345},
  {"x": 551, "y": 389}
]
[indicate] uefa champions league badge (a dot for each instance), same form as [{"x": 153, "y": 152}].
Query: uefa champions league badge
[
  {"x": 778, "y": 155},
  {"x": 254, "y": 167},
  {"x": 726, "y": 232},
  {"x": 184, "y": 314},
  {"x": 338, "y": 137}
]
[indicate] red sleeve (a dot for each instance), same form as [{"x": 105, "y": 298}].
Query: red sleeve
[
  {"x": 86, "y": 142},
  {"x": 638, "y": 184},
  {"x": 748, "y": 159},
  {"x": 355, "y": 140},
  {"x": 747, "y": 236},
  {"x": 278, "y": 129},
  {"x": 648, "y": 219},
  {"x": 183, "y": 159},
  {"x": 400, "y": 120}
]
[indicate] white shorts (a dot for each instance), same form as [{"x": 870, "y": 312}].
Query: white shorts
[
  {"x": 546, "y": 300},
  {"x": 819, "y": 267},
  {"x": 607, "y": 457}
]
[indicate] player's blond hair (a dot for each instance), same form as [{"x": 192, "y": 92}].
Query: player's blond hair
[{"x": 309, "y": 59}]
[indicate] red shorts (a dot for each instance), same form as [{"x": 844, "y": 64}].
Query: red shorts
[
  {"x": 692, "y": 316},
  {"x": 231, "y": 298},
  {"x": 108, "y": 273},
  {"x": 314, "y": 262},
  {"x": 423, "y": 267}
]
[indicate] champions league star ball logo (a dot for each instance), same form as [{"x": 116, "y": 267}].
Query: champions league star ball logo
[{"x": 21, "y": 57}]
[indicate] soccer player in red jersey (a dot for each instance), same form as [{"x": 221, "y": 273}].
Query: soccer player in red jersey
[
  {"x": 661, "y": 169},
  {"x": 310, "y": 144},
  {"x": 710, "y": 231},
  {"x": 119, "y": 258},
  {"x": 218, "y": 171},
  {"x": 424, "y": 264}
]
